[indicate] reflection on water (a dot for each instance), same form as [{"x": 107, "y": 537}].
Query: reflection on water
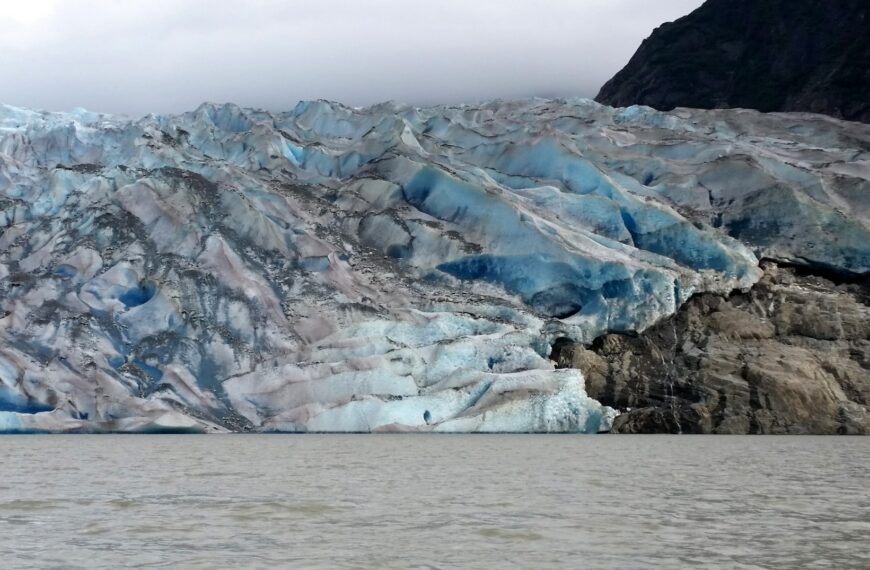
[{"x": 427, "y": 501}]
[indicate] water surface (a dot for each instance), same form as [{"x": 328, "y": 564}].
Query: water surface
[{"x": 426, "y": 501}]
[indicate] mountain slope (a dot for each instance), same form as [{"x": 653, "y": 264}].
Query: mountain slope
[{"x": 770, "y": 55}]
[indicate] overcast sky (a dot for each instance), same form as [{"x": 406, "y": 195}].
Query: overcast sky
[{"x": 139, "y": 56}]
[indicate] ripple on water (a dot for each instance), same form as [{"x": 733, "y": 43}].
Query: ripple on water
[
  {"x": 123, "y": 504},
  {"x": 506, "y": 534},
  {"x": 28, "y": 505},
  {"x": 278, "y": 510}
]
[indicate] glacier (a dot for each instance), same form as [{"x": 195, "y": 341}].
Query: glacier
[{"x": 388, "y": 268}]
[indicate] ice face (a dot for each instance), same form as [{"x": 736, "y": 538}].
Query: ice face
[{"x": 388, "y": 268}]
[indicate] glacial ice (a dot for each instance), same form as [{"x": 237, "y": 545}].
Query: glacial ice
[{"x": 387, "y": 268}]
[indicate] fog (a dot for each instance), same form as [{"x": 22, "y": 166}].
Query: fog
[{"x": 136, "y": 56}]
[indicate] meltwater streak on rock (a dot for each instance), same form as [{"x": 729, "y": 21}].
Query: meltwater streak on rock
[{"x": 388, "y": 268}]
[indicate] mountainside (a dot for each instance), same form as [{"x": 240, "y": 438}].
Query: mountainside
[
  {"x": 770, "y": 55},
  {"x": 387, "y": 268}
]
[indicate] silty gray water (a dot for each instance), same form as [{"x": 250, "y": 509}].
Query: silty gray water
[{"x": 425, "y": 501}]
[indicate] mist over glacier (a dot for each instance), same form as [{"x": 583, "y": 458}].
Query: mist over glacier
[
  {"x": 168, "y": 56},
  {"x": 388, "y": 268}
]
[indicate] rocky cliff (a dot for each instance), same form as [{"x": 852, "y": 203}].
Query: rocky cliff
[
  {"x": 397, "y": 268},
  {"x": 790, "y": 356},
  {"x": 770, "y": 55}
]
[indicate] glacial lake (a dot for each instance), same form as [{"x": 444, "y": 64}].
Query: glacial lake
[{"x": 426, "y": 501}]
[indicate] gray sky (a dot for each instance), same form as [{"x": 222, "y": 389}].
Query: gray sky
[{"x": 138, "y": 56}]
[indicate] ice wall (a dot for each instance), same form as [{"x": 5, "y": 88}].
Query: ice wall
[{"x": 388, "y": 268}]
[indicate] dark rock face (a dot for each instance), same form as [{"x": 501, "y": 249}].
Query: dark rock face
[
  {"x": 770, "y": 55},
  {"x": 791, "y": 356}
]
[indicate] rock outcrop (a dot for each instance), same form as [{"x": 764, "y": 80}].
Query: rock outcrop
[
  {"x": 770, "y": 55},
  {"x": 791, "y": 356}
]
